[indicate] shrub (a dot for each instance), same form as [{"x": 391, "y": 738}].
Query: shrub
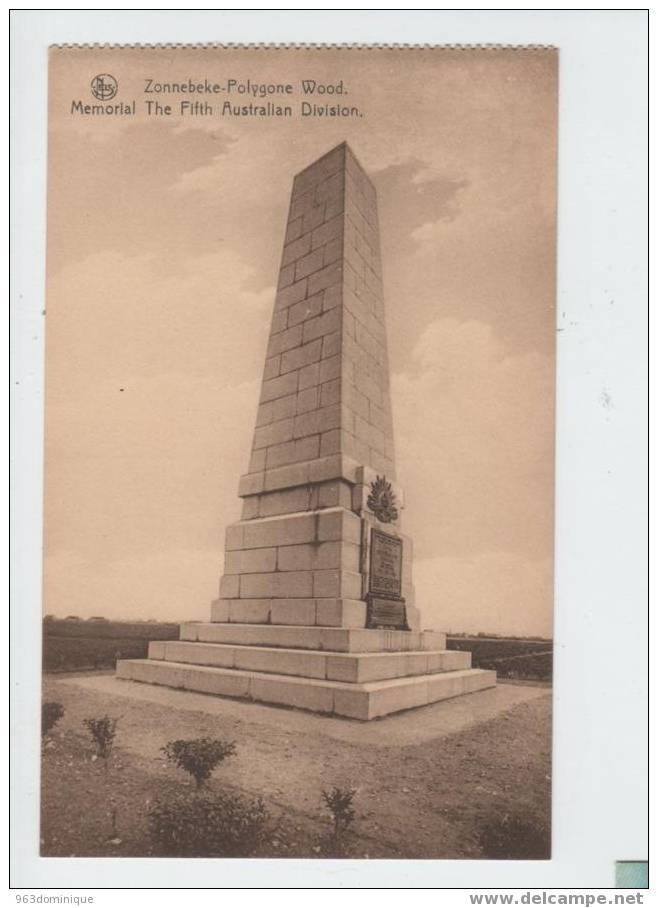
[
  {"x": 207, "y": 825},
  {"x": 198, "y": 756},
  {"x": 515, "y": 838},
  {"x": 338, "y": 802},
  {"x": 51, "y": 713},
  {"x": 102, "y": 731}
]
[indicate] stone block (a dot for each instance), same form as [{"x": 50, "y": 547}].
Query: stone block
[
  {"x": 257, "y": 461},
  {"x": 307, "y": 400},
  {"x": 336, "y": 584},
  {"x": 285, "y": 340},
  {"x": 286, "y": 501},
  {"x": 351, "y": 703},
  {"x": 280, "y": 661},
  {"x": 331, "y": 344},
  {"x": 233, "y": 536},
  {"x": 392, "y": 697},
  {"x": 275, "y": 410},
  {"x": 258, "y": 586},
  {"x": 329, "y": 467},
  {"x": 293, "y": 611},
  {"x": 279, "y": 387},
  {"x": 282, "y": 584},
  {"x": 294, "y": 584},
  {"x": 157, "y": 649},
  {"x": 340, "y": 613},
  {"x": 312, "y": 556},
  {"x": 249, "y": 611},
  {"x": 314, "y": 217},
  {"x": 327, "y": 323},
  {"x": 331, "y": 187},
  {"x": 329, "y": 230},
  {"x": 316, "y": 697},
  {"x": 293, "y": 230},
  {"x": 331, "y": 443},
  {"x": 279, "y": 321},
  {"x": 339, "y": 524},
  {"x": 250, "y": 508},
  {"x": 306, "y": 309},
  {"x": 292, "y": 452},
  {"x": 294, "y": 474},
  {"x": 292, "y": 294},
  {"x": 309, "y": 264},
  {"x": 219, "y": 610},
  {"x": 334, "y": 494},
  {"x": 296, "y": 249},
  {"x": 331, "y": 274},
  {"x": 221, "y": 682},
  {"x": 251, "y": 484},
  {"x": 271, "y": 367},
  {"x": 301, "y": 356},
  {"x": 330, "y": 392},
  {"x": 279, "y": 531},
  {"x": 333, "y": 251},
  {"x": 286, "y": 277},
  {"x": 330, "y": 368},
  {"x": 332, "y": 297},
  {"x": 229, "y": 586},
  {"x": 309, "y": 376},
  {"x": 273, "y": 434},
  {"x": 199, "y": 654}
]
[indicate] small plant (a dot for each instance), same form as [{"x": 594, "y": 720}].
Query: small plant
[
  {"x": 198, "y": 756},
  {"x": 338, "y": 802},
  {"x": 515, "y": 838},
  {"x": 51, "y": 713},
  {"x": 102, "y": 731},
  {"x": 207, "y": 825}
]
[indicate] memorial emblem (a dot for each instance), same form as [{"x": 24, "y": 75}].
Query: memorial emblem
[{"x": 381, "y": 500}]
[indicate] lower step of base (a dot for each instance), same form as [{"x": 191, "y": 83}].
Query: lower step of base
[{"x": 356, "y": 701}]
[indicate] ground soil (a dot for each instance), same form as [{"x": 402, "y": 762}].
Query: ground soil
[{"x": 428, "y": 799}]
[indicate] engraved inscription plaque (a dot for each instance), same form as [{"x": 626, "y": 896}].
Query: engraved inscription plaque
[
  {"x": 386, "y": 606},
  {"x": 385, "y": 565}
]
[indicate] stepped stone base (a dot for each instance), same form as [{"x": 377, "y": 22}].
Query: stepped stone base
[
  {"x": 354, "y": 700},
  {"x": 352, "y": 672}
]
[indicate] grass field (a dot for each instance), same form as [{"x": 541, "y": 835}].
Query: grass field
[
  {"x": 77, "y": 645},
  {"x": 510, "y": 657}
]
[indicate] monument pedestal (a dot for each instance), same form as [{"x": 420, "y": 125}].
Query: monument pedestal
[
  {"x": 318, "y": 569},
  {"x": 360, "y": 674}
]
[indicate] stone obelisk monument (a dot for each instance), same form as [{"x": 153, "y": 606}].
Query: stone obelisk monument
[{"x": 316, "y": 604}]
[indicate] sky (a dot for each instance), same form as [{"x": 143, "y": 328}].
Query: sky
[{"x": 164, "y": 238}]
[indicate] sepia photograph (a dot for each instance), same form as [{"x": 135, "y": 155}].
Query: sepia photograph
[{"x": 299, "y": 452}]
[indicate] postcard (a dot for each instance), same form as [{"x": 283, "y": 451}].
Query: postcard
[{"x": 299, "y": 469}]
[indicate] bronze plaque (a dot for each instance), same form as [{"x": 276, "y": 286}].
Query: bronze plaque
[
  {"x": 386, "y": 607},
  {"x": 387, "y": 613},
  {"x": 385, "y": 565}
]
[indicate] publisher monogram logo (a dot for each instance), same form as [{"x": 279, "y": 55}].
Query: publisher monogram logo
[{"x": 104, "y": 87}]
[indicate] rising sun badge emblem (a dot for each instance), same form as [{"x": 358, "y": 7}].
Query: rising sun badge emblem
[{"x": 381, "y": 500}]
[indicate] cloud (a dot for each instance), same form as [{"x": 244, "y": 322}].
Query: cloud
[
  {"x": 112, "y": 191},
  {"x": 474, "y": 438},
  {"x": 418, "y": 194}
]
